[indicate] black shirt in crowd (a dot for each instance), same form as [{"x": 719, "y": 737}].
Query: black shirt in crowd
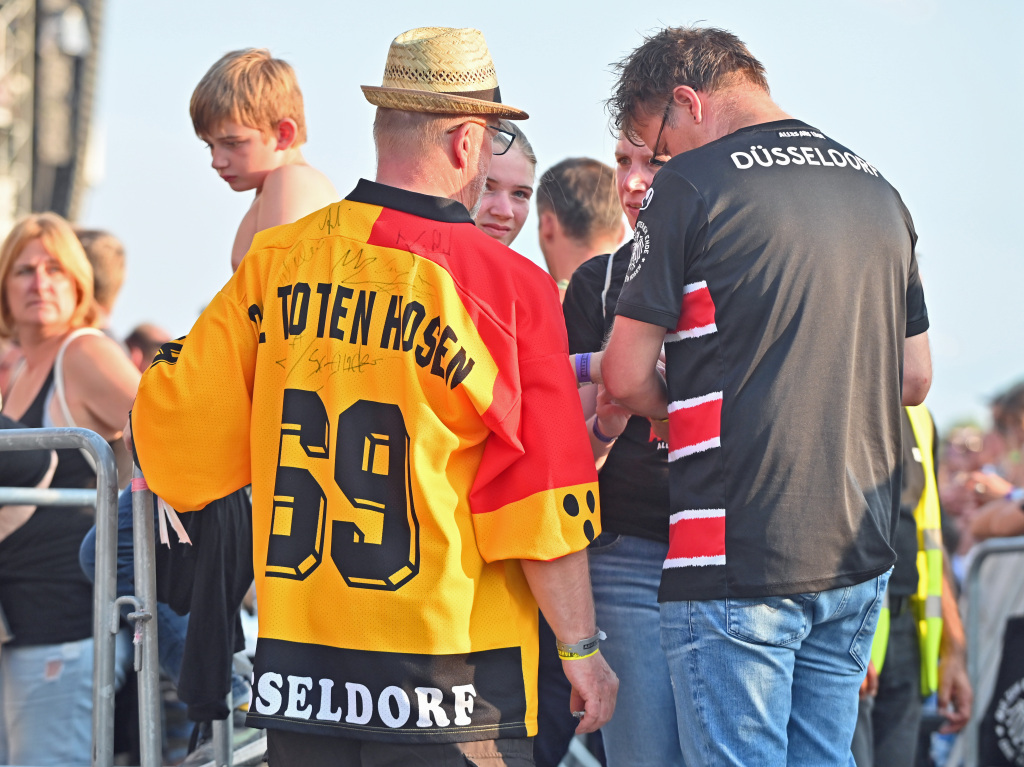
[
  {"x": 634, "y": 478},
  {"x": 782, "y": 266}
]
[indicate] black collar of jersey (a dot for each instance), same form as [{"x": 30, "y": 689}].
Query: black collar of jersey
[
  {"x": 414, "y": 203},
  {"x": 775, "y": 125}
]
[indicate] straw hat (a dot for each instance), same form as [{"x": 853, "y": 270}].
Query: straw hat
[{"x": 441, "y": 70}]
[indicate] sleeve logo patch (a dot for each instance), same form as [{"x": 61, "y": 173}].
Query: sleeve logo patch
[
  {"x": 641, "y": 246},
  {"x": 647, "y": 199}
]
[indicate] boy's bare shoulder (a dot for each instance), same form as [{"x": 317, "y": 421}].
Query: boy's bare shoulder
[
  {"x": 291, "y": 192},
  {"x": 300, "y": 176}
]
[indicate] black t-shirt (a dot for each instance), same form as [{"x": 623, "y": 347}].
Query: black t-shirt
[
  {"x": 783, "y": 267},
  {"x": 634, "y": 478},
  {"x": 44, "y": 593},
  {"x": 21, "y": 468}
]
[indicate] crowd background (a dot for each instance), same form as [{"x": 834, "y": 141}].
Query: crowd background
[
  {"x": 896, "y": 78},
  {"x": 921, "y": 88}
]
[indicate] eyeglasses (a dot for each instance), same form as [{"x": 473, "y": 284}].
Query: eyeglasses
[
  {"x": 657, "y": 141},
  {"x": 502, "y": 140}
]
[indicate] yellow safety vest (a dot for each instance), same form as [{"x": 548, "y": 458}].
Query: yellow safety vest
[{"x": 927, "y": 602}]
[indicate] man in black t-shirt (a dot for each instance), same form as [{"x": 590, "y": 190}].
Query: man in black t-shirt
[{"x": 778, "y": 269}]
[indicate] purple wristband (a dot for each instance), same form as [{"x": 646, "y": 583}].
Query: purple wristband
[
  {"x": 601, "y": 436},
  {"x": 583, "y": 368}
]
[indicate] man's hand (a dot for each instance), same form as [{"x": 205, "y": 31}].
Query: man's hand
[
  {"x": 869, "y": 687},
  {"x": 955, "y": 694},
  {"x": 613, "y": 416},
  {"x": 594, "y": 688},
  {"x": 988, "y": 487}
]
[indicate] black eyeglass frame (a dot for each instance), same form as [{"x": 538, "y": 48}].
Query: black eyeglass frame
[{"x": 511, "y": 137}]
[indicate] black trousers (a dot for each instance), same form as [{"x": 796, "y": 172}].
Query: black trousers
[{"x": 888, "y": 724}]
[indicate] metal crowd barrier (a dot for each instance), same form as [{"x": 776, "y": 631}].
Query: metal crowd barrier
[
  {"x": 972, "y": 585},
  {"x": 106, "y": 607}
]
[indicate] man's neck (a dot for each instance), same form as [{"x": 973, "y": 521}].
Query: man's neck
[
  {"x": 738, "y": 108},
  {"x": 570, "y": 254},
  {"x": 407, "y": 173}
]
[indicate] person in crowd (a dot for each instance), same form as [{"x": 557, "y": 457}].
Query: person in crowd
[
  {"x": 579, "y": 215},
  {"x": 1000, "y": 499},
  {"x": 144, "y": 342},
  {"x": 506, "y": 200},
  {"x": 919, "y": 646},
  {"x": 71, "y": 375},
  {"x": 625, "y": 560},
  {"x": 760, "y": 246},
  {"x": 106, "y": 256},
  {"x": 248, "y": 109},
  {"x": 402, "y": 470}
]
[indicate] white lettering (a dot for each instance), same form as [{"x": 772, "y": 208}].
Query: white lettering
[
  {"x": 757, "y": 157},
  {"x": 398, "y": 695},
  {"x": 780, "y": 155},
  {"x": 428, "y": 700},
  {"x": 808, "y": 151},
  {"x": 298, "y": 686},
  {"x": 325, "y": 714},
  {"x": 269, "y": 688},
  {"x": 838, "y": 159},
  {"x": 798, "y": 158},
  {"x": 359, "y": 711},
  {"x": 821, "y": 157},
  {"x": 464, "y": 698},
  {"x": 853, "y": 160},
  {"x": 738, "y": 156}
]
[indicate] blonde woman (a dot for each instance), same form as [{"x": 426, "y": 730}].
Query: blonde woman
[{"x": 70, "y": 375}]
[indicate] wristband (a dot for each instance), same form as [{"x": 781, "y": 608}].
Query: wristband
[
  {"x": 601, "y": 436},
  {"x": 583, "y": 368},
  {"x": 1016, "y": 495},
  {"x": 581, "y": 649}
]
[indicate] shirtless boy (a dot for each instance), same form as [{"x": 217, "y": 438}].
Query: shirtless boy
[{"x": 248, "y": 110}]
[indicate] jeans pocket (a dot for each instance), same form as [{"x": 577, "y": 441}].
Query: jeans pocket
[
  {"x": 606, "y": 541},
  {"x": 860, "y": 648},
  {"x": 775, "y": 621}
]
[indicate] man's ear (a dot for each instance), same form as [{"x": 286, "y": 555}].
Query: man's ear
[
  {"x": 285, "y": 133},
  {"x": 549, "y": 227},
  {"x": 690, "y": 102},
  {"x": 460, "y": 146}
]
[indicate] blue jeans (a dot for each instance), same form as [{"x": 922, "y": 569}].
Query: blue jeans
[
  {"x": 170, "y": 626},
  {"x": 771, "y": 681},
  {"x": 46, "y": 704},
  {"x": 625, "y": 572}
]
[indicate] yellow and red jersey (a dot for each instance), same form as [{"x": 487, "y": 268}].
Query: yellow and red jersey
[{"x": 394, "y": 385}]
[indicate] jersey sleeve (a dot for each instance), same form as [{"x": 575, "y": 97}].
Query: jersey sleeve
[
  {"x": 191, "y": 418},
  {"x": 669, "y": 234},
  {"x": 917, "y": 311},
  {"x": 581, "y": 309},
  {"x": 535, "y": 492}
]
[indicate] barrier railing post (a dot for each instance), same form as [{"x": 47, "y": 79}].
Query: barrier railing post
[
  {"x": 104, "y": 607},
  {"x": 980, "y": 553},
  {"x": 146, "y": 630}
]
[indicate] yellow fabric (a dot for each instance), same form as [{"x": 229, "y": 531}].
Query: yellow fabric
[
  {"x": 927, "y": 602},
  {"x": 356, "y": 450}
]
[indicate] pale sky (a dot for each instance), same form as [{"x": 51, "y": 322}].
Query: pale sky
[{"x": 928, "y": 91}]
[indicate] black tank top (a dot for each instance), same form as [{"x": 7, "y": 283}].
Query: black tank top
[{"x": 44, "y": 593}]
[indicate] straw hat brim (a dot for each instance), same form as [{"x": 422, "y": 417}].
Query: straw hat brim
[{"x": 409, "y": 100}]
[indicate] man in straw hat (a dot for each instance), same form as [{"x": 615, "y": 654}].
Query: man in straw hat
[
  {"x": 777, "y": 270},
  {"x": 384, "y": 374}
]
